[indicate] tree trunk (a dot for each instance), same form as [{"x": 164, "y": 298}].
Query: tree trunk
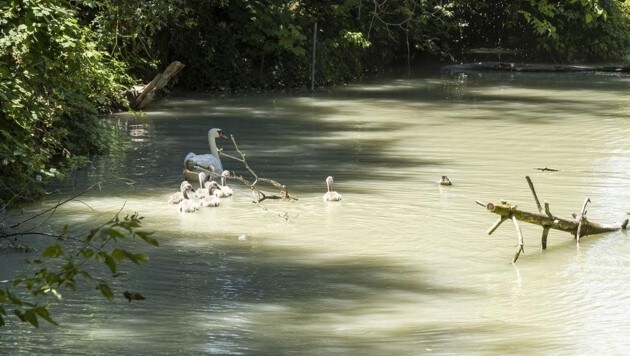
[{"x": 142, "y": 95}]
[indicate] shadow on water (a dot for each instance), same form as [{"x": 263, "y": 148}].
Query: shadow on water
[
  {"x": 290, "y": 146},
  {"x": 302, "y": 139},
  {"x": 243, "y": 298}
]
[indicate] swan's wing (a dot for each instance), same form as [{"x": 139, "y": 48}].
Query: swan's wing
[{"x": 206, "y": 161}]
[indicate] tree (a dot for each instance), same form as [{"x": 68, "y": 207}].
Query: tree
[
  {"x": 54, "y": 83},
  {"x": 574, "y": 30}
]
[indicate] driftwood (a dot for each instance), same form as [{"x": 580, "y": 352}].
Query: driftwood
[
  {"x": 142, "y": 95},
  {"x": 546, "y": 169},
  {"x": 578, "y": 226},
  {"x": 524, "y": 67}
]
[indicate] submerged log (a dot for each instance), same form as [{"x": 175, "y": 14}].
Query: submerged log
[
  {"x": 142, "y": 95},
  {"x": 525, "y": 67},
  {"x": 578, "y": 226}
]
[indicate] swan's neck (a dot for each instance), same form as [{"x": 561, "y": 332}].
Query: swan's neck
[
  {"x": 213, "y": 146},
  {"x": 329, "y": 186},
  {"x": 200, "y": 182},
  {"x": 223, "y": 181}
]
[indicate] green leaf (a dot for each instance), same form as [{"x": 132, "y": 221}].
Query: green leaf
[
  {"x": 119, "y": 254},
  {"x": 139, "y": 258},
  {"x": 44, "y": 314},
  {"x": 87, "y": 253},
  {"x": 115, "y": 234},
  {"x": 31, "y": 317},
  {"x": 589, "y": 17},
  {"x": 146, "y": 237},
  {"x": 14, "y": 300},
  {"x": 109, "y": 261},
  {"x": 105, "y": 290},
  {"x": 55, "y": 293},
  {"x": 53, "y": 251}
]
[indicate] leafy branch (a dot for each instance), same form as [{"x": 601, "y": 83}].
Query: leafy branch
[{"x": 70, "y": 260}]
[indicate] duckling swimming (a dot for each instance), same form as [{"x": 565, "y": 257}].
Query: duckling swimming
[{"x": 445, "y": 181}]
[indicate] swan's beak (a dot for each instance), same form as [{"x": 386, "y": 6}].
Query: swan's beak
[{"x": 222, "y": 135}]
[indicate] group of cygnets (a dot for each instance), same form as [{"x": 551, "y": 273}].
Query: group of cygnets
[{"x": 208, "y": 194}]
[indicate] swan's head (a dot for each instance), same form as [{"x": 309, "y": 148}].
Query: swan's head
[
  {"x": 203, "y": 177},
  {"x": 212, "y": 186},
  {"x": 225, "y": 174},
  {"x": 185, "y": 186},
  {"x": 329, "y": 180},
  {"x": 214, "y": 133}
]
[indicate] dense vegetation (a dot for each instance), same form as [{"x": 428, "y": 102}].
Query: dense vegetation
[{"x": 64, "y": 64}]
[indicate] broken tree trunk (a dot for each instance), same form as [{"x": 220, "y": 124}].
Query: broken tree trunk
[
  {"x": 577, "y": 227},
  {"x": 142, "y": 95}
]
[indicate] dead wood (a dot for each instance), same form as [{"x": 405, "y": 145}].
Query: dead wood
[
  {"x": 140, "y": 96},
  {"x": 578, "y": 226}
]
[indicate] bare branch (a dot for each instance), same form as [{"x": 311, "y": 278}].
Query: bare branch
[{"x": 259, "y": 195}]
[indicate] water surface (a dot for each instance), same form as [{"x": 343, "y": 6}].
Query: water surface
[{"x": 401, "y": 265}]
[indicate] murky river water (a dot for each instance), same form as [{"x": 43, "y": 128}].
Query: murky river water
[{"x": 401, "y": 265}]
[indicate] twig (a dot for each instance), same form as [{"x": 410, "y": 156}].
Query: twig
[
  {"x": 547, "y": 169},
  {"x": 520, "y": 238},
  {"x": 259, "y": 195},
  {"x": 581, "y": 218},
  {"x": 54, "y": 208},
  {"x": 498, "y": 223},
  {"x": 531, "y": 186}
]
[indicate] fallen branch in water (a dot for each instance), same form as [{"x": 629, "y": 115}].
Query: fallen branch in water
[
  {"x": 545, "y": 169},
  {"x": 578, "y": 227},
  {"x": 254, "y": 185},
  {"x": 259, "y": 195}
]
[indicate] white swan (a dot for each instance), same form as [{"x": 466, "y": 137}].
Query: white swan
[
  {"x": 175, "y": 198},
  {"x": 210, "y": 162},
  {"x": 187, "y": 205},
  {"x": 331, "y": 195},
  {"x": 225, "y": 190}
]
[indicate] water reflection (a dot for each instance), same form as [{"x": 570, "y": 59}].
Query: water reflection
[{"x": 401, "y": 264}]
